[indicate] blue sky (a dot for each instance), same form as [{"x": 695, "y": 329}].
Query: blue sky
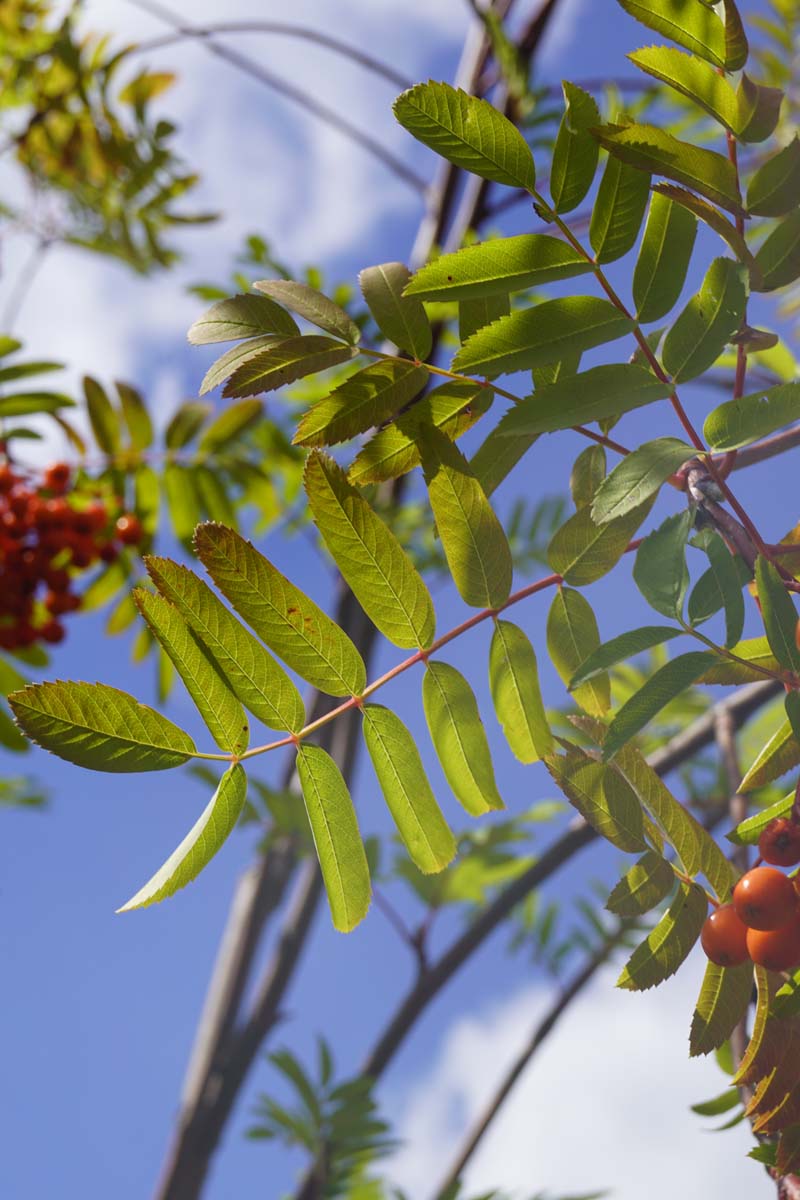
[{"x": 100, "y": 1010}]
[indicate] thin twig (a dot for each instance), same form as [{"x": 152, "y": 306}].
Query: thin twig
[
  {"x": 540, "y": 1033},
  {"x": 290, "y": 91},
  {"x": 282, "y": 28}
]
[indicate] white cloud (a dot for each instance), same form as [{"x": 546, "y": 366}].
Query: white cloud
[{"x": 604, "y": 1104}]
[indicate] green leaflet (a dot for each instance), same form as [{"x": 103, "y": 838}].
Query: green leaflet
[
  {"x": 459, "y": 738},
  {"x": 473, "y": 539},
  {"x": 723, "y": 1001},
  {"x": 777, "y": 756},
  {"x": 764, "y": 984},
  {"x": 664, "y": 257},
  {"x": 786, "y": 1002},
  {"x": 496, "y": 457},
  {"x": 760, "y": 109},
  {"x": 310, "y": 304},
  {"x": 23, "y": 404},
  {"x": 690, "y": 23},
  {"x": 701, "y": 332},
  {"x": 383, "y": 578},
  {"x": 694, "y": 78},
  {"x": 618, "y": 210},
  {"x": 393, "y": 451},
  {"x": 284, "y": 617},
  {"x": 792, "y": 706},
  {"x": 600, "y": 392},
  {"x": 545, "y": 333},
  {"x": 779, "y": 615},
  {"x": 253, "y": 676},
  {"x": 755, "y": 650},
  {"x": 99, "y": 727},
  {"x": 237, "y": 356},
  {"x": 137, "y": 418},
  {"x": 468, "y": 132},
  {"x": 645, "y": 885},
  {"x": 102, "y": 417},
  {"x": 736, "y": 45},
  {"x": 499, "y": 266},
  {"x": 779, "y": 257},
  {"x": 186, "y": 423},
  {"x": 228, "y": 425},
  {"x": 715, "y": 220},
  {"x": 474, "y": 314},
  {"x": 406, "y": 790},
  {"x": 201, "y": 843},
  {"x": 748, "y": 832},
  {"x": 659, "y": 153},
  {"x": 582, "y": 551},
  {"x": 400, "y": 318},
  {"x": 696, "y": 849},
  {"x": 727, "y": 582},
  {"x": 626, "y": 645},
  {"x": 216, "y": 703},
  {"x": 666, "y": 946},
  {"x": 667, "y": 683},
  {"x": 575, "y": 152},
  {"x": 241, "y": 317},
  {"x": 182, "y": 500},
  {"x": 739, "y": 422},
  {"x": 601, "y": 796},
  {"x": 774, "y": 188},
  {"x": 588, "y": 472},
  {"x": 638, "y": 476},
  {"x": 364, "y": 400},
  {"x": 660, "y": 569},
  {"x": 213, "y": 496},
  {"x": 572, "y": 638},
  {"x": 286, "y": 362},
  {"x": 514, "y": 682},
  {"x": 336, "y": 837}
]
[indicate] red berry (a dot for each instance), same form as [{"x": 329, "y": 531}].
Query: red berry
[
  {"x": 724, "y": 937},
  {"x": 109, "y": 552},
  {"x": 52, "y": 632},
  {"x": 56, "y": 477},
  {"x": 775, "y": 949},
  {"x": 129, "y": 529},
  {"x": 765, "y": 899},
  {"x": 7, "y": 478},
  {"x": 780, "y": 842}
]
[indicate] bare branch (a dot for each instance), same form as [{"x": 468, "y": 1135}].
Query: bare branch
[
  {"x": 282, "y": 28},
  {"x": 290, "y": 91},
  {"x": 542, "y": 1030}
]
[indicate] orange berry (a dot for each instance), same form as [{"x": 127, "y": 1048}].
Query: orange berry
[
  {"x": 129, "y": 529},
  {"x": 724, "y": 937},
  {"x": 775, "y": 949},
  {"x": 56, "y": 477},
  {"x": 765, "y": 899},
  {"x": 780, "y": 842}
]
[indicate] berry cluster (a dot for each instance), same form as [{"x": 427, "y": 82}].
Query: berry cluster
[
  {"x": 762, "y": 924},
  {"x": 46, "y": 539}
]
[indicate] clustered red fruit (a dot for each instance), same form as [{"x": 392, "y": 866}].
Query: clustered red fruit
[
  {"x": 762, "y": 924},
  {"x": 47, "y": 537}
]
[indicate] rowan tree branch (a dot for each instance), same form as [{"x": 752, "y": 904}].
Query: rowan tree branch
[{"x": 281, "y": 28}]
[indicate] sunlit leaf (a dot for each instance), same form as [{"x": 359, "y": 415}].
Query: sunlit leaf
[
  {"x": 514, "y": 682},
  {"x": 739, "y": 422},
  {"x": 703, "y": 329},
  {"x": 666, "y": 947},
  {"x": 291, "y": 624},
  {"x": 575, "y": 152},
  {"x": 285, "y": 362},
  {"x": 467, "y": 132},
  {"x": 582, "y": 551},
  {"x": 618, "y": 210},
  {"x": 216, "y": 703},
  {"x": 638, "y": 476},
  {"x": 774, "y": 187},
  {"x": 336, "y": 837},
  {"x": 664, "y": 256},
  {"x": 601, "y": 796},
  {"x": 645, "y": 885},
  {"x": 662, "y": 687},
  {"x": 572, "y": 638},
  {"x": 254, "y": 677},
  {"x": 99, "y": 727},
  {"x": 363, "y": 400},
  {"x": 241, "y": 317},
  {"x": 473, "y": 539},
  {"x": 401, "y": 318},
  {"x": 380, "y": 573},
  {"x": 310, "y": 304},
  {"x": 406, "y": 789},
  {"x": 201, "y": 843},
  {"x": 660, "y": 569},
  {"x": 459, "y": 738},
  {"x": 605, "y": 391}
]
